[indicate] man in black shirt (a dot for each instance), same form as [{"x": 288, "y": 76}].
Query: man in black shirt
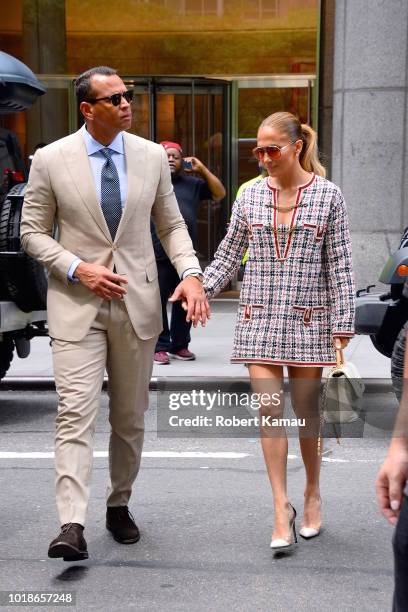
[{"x": 190, "y": 192}]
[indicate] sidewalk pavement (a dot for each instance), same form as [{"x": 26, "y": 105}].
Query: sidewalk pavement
[{"x": 212, "y": 345}]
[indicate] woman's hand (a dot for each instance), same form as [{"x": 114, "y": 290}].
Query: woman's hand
[
  {"x": 193, "y": 300},
  {"x": 340, "y": 342}
]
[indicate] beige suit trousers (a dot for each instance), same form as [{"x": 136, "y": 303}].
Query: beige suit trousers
[{"x": 79, "y": 367}]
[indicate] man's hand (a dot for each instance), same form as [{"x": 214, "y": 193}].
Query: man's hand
[
  {"x": 391, "y": 479},
  {"x": 196, "y": 165},
  {"x": 193, "y": 299},
  {"x": 101, "y": 280}
]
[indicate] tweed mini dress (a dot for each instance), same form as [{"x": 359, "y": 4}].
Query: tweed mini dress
[{"x": 298, "y": 289}]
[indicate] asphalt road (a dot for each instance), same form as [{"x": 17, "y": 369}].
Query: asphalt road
[{"x": 205, "y": 521}]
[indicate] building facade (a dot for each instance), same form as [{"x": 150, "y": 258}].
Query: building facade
[{"x": 206, "y": 72}]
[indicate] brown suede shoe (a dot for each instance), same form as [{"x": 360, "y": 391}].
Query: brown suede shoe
[
  {"x": 70, "y": 544},
  {"x": 121, "y": 524}
]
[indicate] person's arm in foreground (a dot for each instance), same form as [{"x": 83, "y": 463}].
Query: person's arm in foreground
[{"x": 393, "y": 474}]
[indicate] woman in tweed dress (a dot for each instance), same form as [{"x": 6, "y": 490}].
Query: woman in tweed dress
[{"x": 297, "y": 297}]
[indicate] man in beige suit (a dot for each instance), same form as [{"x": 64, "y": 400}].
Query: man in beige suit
[{"x": 99, "y": 186}]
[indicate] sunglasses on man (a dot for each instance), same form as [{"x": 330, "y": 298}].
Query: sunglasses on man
[
  {"x": 273, "y": 151},
  {"x": 114, "y": 99}
]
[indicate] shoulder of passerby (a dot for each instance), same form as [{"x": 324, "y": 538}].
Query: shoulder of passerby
[{"x": 248, "y": 184}]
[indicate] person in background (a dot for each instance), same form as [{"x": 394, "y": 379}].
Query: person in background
[
  {"x": 190, "y": 192},
  {"x": 263, "y": 173},
  {"x": 392, "y": 494}
]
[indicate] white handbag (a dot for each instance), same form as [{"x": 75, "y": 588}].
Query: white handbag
[{"x": 343, "y": 392}]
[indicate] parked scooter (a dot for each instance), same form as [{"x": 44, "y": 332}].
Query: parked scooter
[{"x": 384, "y": 316}]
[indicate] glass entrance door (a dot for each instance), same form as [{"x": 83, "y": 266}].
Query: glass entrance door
[
  {"x": 254, "y": 98},
  {"x": 195, "y": 113}
]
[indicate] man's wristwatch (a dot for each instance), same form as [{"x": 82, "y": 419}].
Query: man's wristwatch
[{"x": 197, "y": 275}]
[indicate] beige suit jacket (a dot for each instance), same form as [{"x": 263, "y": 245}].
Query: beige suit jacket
[{"x": 61, "y": 194}]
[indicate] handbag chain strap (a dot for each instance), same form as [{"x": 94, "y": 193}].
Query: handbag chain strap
[{"x": 339, "y": 357}]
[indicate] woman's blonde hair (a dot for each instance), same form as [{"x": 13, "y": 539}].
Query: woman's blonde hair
[{"x": 290, "y": 125}]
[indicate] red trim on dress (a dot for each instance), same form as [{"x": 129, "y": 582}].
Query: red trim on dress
[
  {"x": 343, "y": 334},
  {"x": 308, "y": 312},
  {"x": 318, "y": 230},
  {"x": 300, "y": 187},
  {"x": 278, "y": 362},
  {"x": 309, "y": 183},
  {"x": 275, "y": 231},
  {"x": 275, "y": 228},
  {"x": 292, "y": 221},
  {"x": 290, "y": 230}
]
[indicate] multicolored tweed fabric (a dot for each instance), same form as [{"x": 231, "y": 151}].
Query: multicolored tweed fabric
[{"x": 298, "y": 287}]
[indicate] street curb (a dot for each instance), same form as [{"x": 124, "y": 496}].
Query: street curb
[{"x": 163, "y": 383}]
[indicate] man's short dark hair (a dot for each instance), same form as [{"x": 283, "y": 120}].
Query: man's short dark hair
[{"x": 83, "y": 88}]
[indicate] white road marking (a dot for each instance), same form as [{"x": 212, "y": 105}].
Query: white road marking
[
  {"x": 195, "y": 454},
  {"x": 152, "y": 454},
  {"x": 331, "y": 460},
  {"x": 176, "y": 455}
]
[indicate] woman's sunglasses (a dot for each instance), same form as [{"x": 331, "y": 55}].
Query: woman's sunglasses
[
  {"x": 115, "y": 98},
  {"x": 273, "y": 151}
]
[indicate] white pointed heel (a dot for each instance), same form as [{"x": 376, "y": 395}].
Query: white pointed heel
[
  {"x": 308, "y": 532},
  {"x": 280, "y": 544}
]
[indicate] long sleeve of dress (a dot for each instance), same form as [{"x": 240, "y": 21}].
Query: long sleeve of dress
[
  {"x": 339, "y": 268},
  {"x": 229, "y": 254}
]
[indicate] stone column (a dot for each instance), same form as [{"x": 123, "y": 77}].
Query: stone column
[
  {"x": 44, "y": 51},
  {"x": 370, "y": 131},
  {"x": 326, "y": 40}
]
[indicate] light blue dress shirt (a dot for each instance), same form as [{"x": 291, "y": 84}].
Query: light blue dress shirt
[{"x": 97, "y": 160}]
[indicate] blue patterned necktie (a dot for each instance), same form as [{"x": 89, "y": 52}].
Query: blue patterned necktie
[{"x": 110, "y": 193}]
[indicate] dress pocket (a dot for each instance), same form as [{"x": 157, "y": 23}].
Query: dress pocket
[
  {"x": 309, "y": 313},
  {"x": 248, "y": 310},
  {"x": 317, "y": 230}
]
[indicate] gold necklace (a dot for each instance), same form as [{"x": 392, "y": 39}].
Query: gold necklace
[
  {"x": 279, "y": 208},
  {"x": 286, "y": 209}
]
